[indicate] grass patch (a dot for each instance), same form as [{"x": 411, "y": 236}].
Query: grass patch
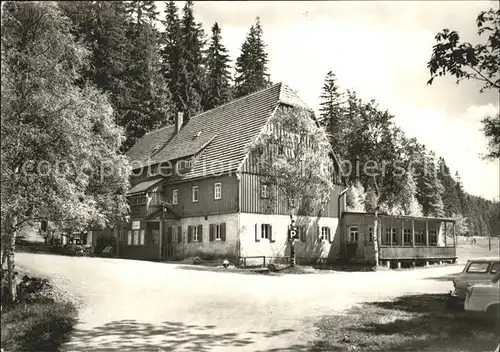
[
  {"x": 38, "y": 326},
  {"x": 410, "y": 323}
]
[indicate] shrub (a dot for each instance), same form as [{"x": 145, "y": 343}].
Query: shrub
[{"x": 39, "y": 326}]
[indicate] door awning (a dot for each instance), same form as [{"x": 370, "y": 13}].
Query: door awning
[{"x": 143, "y": 187}]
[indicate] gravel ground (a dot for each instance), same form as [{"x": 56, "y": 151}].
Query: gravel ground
[{"x": 138, "y": 305}]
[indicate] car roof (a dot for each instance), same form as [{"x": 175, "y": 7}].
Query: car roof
[{"x": 485, "y": 259}]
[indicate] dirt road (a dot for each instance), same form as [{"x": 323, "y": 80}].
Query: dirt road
[{"x": 136, "y": 305}]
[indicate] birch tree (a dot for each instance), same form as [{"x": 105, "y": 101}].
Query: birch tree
[
  {"x": 59, "y": 144},
  {"x": 296, "y": 161}
]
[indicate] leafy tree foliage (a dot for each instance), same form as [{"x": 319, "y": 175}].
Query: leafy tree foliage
[
  {"x": 251, "y": 65},
  {"x": 296, "y": 161},
  {"x": 59, "y": 143},
  {"x": 218, "y": 77},
  {"x": 479, "y": 62},
  {"x": 388, "y": 171}
]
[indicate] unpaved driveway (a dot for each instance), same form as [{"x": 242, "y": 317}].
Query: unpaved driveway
[{"x": 136, "y": 305}]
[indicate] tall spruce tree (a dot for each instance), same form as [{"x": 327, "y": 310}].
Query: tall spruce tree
[
  {"x": 429, "y": 189},
  {"x": 103, "y": 26},
  {"x": 451, "y": 203},
  {"x": 149, "y": 106},
  {"x": 251, "y": 65},
  {"x": 332, "y": 111},
  {"x": 171, "y": 53},
  {"x": 218, "y": 79},
  {"x": 192, "y": 84},
  {"x": 125, "y": 61}
]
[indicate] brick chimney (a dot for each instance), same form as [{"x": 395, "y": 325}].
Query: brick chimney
[{"x": 179, "y": 120}]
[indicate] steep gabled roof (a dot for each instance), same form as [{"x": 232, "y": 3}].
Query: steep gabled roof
[
  {"x": 218, "y": 138},
  {"x": 149, "y": 144}
]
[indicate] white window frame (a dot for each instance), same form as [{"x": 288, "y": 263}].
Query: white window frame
[
  {"x": 264, "y": 191},
  {"x": 217, "y": 232},
  {"x": 196, "y": 238},
  {"x": 217, "y": 190},
  {"x": 195, "y": 190},
  {"x": 265, "y": 231},
  {"x": 175, "y": 196},
  {"x": 353, "y": 230},
  {"x": 325, "y": 233},
  {"x": 370, "y": 234}
]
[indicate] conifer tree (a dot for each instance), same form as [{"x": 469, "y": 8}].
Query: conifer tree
[
  {"x": 429, "y": 189},
  {"x": 192, "y": 74},
  {"x": 218, "y": 80},
  {"x": 332, "y": 111},
  {"x": 172, "y": 64},
  {"x": 149, "y": 106},
  {"x": 451, "y": 203},
  {"x": 251, "y": 65},
  {"x": 103, "y": 26}
]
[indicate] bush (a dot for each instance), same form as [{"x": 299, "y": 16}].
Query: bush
[{"x": 39, "y": 326}]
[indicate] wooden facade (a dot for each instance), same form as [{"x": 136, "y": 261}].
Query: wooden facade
[
  {"x": 400, "y": 238},
  {"x": 207, "y": 203}
]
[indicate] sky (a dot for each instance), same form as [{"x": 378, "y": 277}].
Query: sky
[{"x": 380, "y": 49}]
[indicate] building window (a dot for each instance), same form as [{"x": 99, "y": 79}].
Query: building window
[
  {"x": 196, "y": 235},
  {"x": 264, "y": 191},
  {"x": 420, "y": 237},
  {"x": 137, "y": 237},
  {"x": 175, "y": 196},
  {"x": 265, "y": 231},
  {"x": 302, "y": 233},
  {"x": 432, "y": 238},
  {"x": 217, "y": 232},
  {"x": 217, "y": 190},
  {"x": 407, "y": 236},
  {"x": 353, "y": 234},
  {"x": 370, "y": 234},
  {"x": 195, "y": 194},
  {"x": 391, "y": 232},
  {"x": 129, "y": 237},
  {"x": 137, "y": 200},
  {"x": 325, "y": 233}
]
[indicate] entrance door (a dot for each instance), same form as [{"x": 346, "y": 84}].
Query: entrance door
[{"x": 169, "y": 242}]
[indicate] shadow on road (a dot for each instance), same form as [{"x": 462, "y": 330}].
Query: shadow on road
[
  {"x": 448, "y": 277},
  {"x": 410, "y": 323},
  {"x": 125, "y": 335}
]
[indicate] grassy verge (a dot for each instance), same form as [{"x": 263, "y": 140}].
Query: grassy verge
[
  {"x": 42, "y": 322},
  {"x": 411, "y": 323}
]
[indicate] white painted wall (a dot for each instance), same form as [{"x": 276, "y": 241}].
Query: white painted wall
[{"x": 280, "y": 247}]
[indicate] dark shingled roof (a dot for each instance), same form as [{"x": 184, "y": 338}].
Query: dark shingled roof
[
  {"x": 145, "y": 147},
  {"x": 223, "y": 134},
  {"x": 144, "y": 186}
]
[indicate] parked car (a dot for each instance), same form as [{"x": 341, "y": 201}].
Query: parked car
[
  {"x": 476, "y": 271},
  {"x": 484, "y": 298}
]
